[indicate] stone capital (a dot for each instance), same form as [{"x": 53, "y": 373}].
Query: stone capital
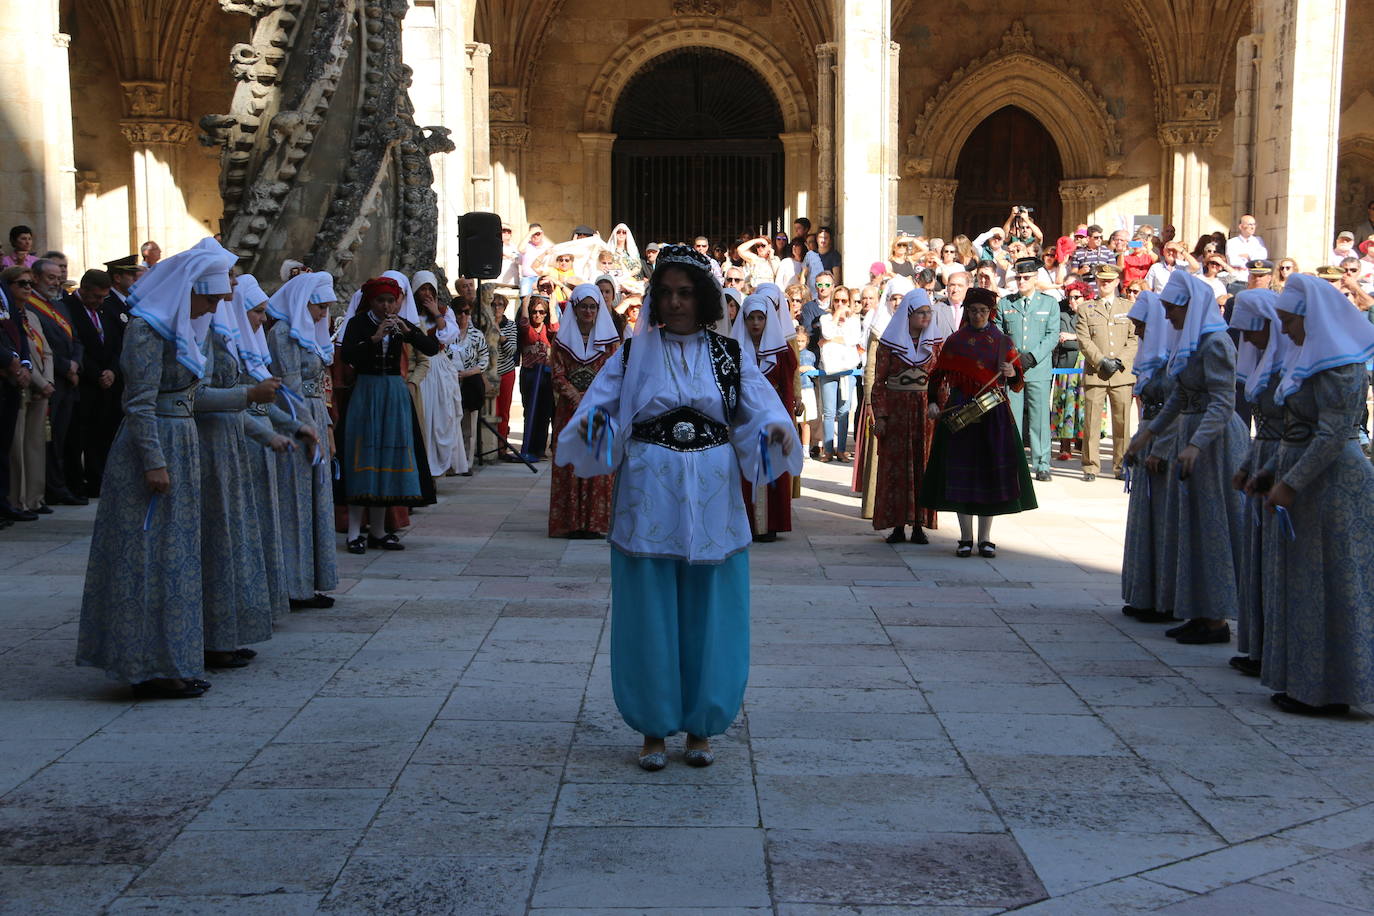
[
  {"x": 1089, "y": 189},
  {"x": 156, "y": 131},
  {"x": 801, "y": 141},
  {"x": 478, "y": 49},
  {"x": 1188, "y": 133},
  {"x": 827, "y": 50},
  {"x": 503, "y": 103},
  {"x": 937, "y": 189},
  {"x": 62, "y": 39},
  {"x": 511, "y": 134},
  {"x": 145, "y": 98},
  {"x": 596, "y": 141}
]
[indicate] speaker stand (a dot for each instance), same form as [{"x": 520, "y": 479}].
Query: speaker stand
[{"x": 501, "y": 446}]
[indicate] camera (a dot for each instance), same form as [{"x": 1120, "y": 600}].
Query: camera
[{"x": 1024, "y": 211}]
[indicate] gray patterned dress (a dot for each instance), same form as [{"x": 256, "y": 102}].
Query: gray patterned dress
[
  {"x": 307, "y": 495},
  {"x": 236, "y": 603},
  {"x": 1268, "y": 418},
  {"x": 1319, "y": 600},
  {"x": 1147, "y": 565},
  {"x": 262, "y": 422},
  {"x": 141, "y": 611},
  {"x": 1204, "y": 511}
]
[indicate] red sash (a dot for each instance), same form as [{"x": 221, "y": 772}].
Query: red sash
[{"x": 45, "y": 308}]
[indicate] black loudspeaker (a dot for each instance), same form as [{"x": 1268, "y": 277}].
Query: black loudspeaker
[{"x": 479, "y": 245}]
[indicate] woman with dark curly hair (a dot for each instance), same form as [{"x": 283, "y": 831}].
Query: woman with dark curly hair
[{"x": 678, "y": 415}]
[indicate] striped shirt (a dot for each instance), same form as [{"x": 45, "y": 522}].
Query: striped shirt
[{"x": 509, "y": 348}]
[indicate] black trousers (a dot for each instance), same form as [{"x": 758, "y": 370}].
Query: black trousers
[
  {"x": 536, "y": 393},
  {"x": 97, "y": 418},
  {"x": 10, "y": 399},
  {"x": 61, "y": 408}
]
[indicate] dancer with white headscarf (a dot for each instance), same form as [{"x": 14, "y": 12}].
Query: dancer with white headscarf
[
  {"x": 1259, "y": 366},
  {"x": 302, "y": 351},
  {"x": 1319, "y": 586},
  {"x": 678, "y": 415},
  {"x": 439, "y": 387},
  {"x": 1151, "y": 543},
  {"x": 865, "y": 442},
  {"x": 579, "y": 507},
  {"x": 906, "y": 353},
  {"x": 759, "y": 331},
  {"x": 1209, "y": 445},
  {"x": 141, "y": 618}
]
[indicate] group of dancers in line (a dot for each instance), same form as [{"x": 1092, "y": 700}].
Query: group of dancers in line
[
  {"x": 1277, "y": 531},
  {"x": 241, "y": 435}
]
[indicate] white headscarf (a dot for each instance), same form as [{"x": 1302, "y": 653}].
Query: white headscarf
[
  {"x": 249, "y": 347},
  {"x": 725, "y": 324},
  {"x": 876, "y": 321},
  {"x": 615, "y": 285},
  {"x": 420, "y": 278},
  {"x": 408, "y": 310},
  {"x": 289, "y": 304},
  {"x": 1337, "y": 333},
  {"x": 604, "y": 332},
  {"x": 1158, "y": 341},
  {"x": 1250, "y": 311},
  {"x": 897, "y": 334},
  {"x": 289, "y": 265},
  {"x": 772, "y": 342},
  {"x": 163, "y": 298},
  {"x": 774, "y": 294},
  {"x": 1203, "y": 318},
  {"x": 630, "y": 247}
]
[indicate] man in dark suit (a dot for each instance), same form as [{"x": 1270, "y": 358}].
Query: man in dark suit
[
  {"x": 48, "y": 304},
  {"x": 98, "y": 410},
  {"x": 14, "y": 378},
  {"x": 124, "y": 273}
]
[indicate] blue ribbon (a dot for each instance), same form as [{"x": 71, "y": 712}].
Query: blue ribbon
[
  {"x": 1255, "y": 510},
  {"x": 338, "y": 471},
  {"x": 1126, "y": 478},
  {"x": 766, "y": 463},
  {"x": 1286, "y": 521},
  {"x": 292, "y": 399},
  {"x": 318, "y": 458},
  {"x": 148, "y": 516},
  {"x": 596, "y": 434}
]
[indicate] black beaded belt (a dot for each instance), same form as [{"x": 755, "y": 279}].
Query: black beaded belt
[
  {"x": 1297, "y": 431},
  {"x": 1193, "y": 401},
  {"x": 1266, "y": 429},
  {"x": 1152, "y": 409},
  {"x": 683, "y": 429},
  {"x": 312, "y": 388}
]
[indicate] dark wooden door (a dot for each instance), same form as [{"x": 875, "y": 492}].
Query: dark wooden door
[{"x": 1008, "y": 159}]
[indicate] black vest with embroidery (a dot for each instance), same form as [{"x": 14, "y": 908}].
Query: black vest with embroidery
[{"x": 725, "y": 367}]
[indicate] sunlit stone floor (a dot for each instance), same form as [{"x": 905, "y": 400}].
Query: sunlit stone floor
[{"x": 922, "y": 734}]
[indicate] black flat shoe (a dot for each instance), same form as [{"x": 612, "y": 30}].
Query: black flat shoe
[
  {"x": 152, "y": 690},
  {"x": 1297, "y": 707},
  {"x": 390, "y": 542},
  {"x": 219, "y": 660},
  {"x": 1205, "y": 636},
  {"x": 1250, "y": 667},
  {"x": 318, "y": 601},
  {"x": 965, "y": 549},
  {"x": 898, "y": 536},
  {"x": 767, "y": 537},
  {"x": 197, "y": 682},
  {"x": 1133, "y": 611},
  {"x": 358, "y": 545},
  {"x": 1186, "y": 626},
  {"x": 987, "y": 549},
  {"x": 43, "y": 510},
  {"x": 1153, "y": 616},
  {"x": 246, "y": 653},
  {"x": 918, "y": 536}
]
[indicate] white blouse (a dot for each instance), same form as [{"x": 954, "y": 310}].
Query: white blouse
[{"x": 672, "y": 504}]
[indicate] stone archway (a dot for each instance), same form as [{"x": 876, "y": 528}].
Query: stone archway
[
  {"x": 686, "y": 32},
  {"x": 1015, "y": 73}
]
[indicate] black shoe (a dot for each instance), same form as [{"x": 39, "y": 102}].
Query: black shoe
[
  {"x": 43, "y": 510},
  {"x": 151, "y": 690},
  {"x": 1297, "y": 707},
  {"x": 1185, "y": 627},
  {"x": 17, "y": 515},
  {"x": 390, "y": 542},
  {"x": 767, "y": 537},
  {"x": 987, "y": 549},
  {"x": 964, "y": 549},
  {"x": 1089, "y": 477},
  {"x": 1153, "y": 616},
  {"x": 319, "y": 601},
  {"x": 1250, "y": 667},
  {"x": 1204, "y": 635},
  {"x": 1133, "y": 611},
  {"x": 225, "y": 660},
  {"x": 918, "y": 536},
  {"x": 358, "y": 545},
  {"x": 898, "y": 536},
  {"x": 1043, "y": 476}
]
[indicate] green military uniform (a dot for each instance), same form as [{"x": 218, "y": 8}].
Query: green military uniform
[
  {"x": 1032, "y": 323},
  {"x": 1105, "y": 333}
]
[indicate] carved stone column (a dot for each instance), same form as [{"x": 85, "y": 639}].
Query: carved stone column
[
  {"x": 797, "y": 149},
  {"x": 935, "y": 201},
  {"x": 1248, "y": 51},
  {"x": 1300, "y": 92},
  {"x": 59, "y": 198},
  {"x": 596, "y": 179},
  {"x": 866, "y": 143},
  {"x": 825, "y": 135},
  {"x": 509, "y": 140},
  {"x": 156, "y": 141},
  {"x": 479, "y": 123},
  {"x": 1187, "y": 175},
  {"x": 1080, "y": 197}
]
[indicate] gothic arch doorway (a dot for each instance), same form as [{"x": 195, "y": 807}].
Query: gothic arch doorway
[
  {"x": 1010, "y": 158},
  {"x": 697, "y": 149}
]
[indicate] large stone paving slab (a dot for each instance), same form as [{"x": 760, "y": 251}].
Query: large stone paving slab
[{"x": 922, "y": 734}]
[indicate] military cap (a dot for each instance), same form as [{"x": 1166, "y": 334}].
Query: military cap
[
  {"x": 1108, "y": 272},
  {"x": 1025, "y": 266},
  {"x": 1260, "y": 266},
  {"x": 1329, "y": 272},
  {"x": 128, "y": 263}
]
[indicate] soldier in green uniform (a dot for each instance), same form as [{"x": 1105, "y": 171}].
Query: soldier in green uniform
[
  {"x": 1031, "y": 320},
  {"x": 1108, "y": 341}
]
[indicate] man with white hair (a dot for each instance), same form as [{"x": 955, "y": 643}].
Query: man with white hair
[{"x": 1244, "y": 247}]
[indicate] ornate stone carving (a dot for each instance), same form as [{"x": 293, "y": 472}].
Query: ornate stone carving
[
  {"x": 705, "y": 7},
  {"x": 938, "y": 189},
  {"x": 145, "y": 99},
  {"x": 364, "y": 200},
  {"x": 1083, "y": 189},
  {"x": 1036, "y": 79},
  {"x": 1175, "y": 133},
  {"x": 87, "y": 182},
  {"x": 504, "y": 103},
  {"x": 160, "y": 131},
  {"x": 1196, "y": 102},
  {"x": 512, "y": 135}
]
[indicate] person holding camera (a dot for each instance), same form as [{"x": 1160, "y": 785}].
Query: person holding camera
[
  {"x": 1108, "y": 341},
  {"x": 1019, "y": 227},
  {"x": 1031, "y": 319}
]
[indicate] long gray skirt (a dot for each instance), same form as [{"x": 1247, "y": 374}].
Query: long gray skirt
[
  {"x": 262, "y": 478},
  {"x": 307, "y": 511}
]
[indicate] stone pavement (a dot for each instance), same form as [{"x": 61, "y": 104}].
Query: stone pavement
[{"x": 922, "y": 734}]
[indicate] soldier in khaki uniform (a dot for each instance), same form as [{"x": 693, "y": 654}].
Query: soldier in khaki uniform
[{"x": 1108, "y": 341}]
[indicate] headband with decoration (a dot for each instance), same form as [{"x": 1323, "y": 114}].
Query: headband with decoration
[{"x": 681, "y": 254}]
